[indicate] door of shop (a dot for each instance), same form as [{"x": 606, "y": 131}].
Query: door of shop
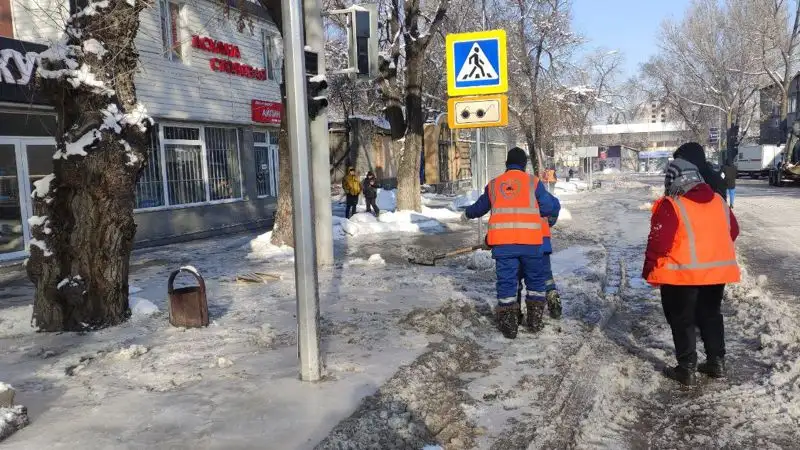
[{"x": 22, "y": 162}]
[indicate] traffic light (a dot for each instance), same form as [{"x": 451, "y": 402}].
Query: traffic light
[
  {"x": 363, "y": 40},
  {"x": 317, "y": 99},
  {"x": 361, "y": 32}
]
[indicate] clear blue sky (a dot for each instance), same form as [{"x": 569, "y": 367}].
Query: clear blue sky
[{"x": 630, "y": 26}]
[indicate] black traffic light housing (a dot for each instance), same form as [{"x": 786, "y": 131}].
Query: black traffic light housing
[
  {"x": 362, "y": 35},
  {"x": 317, "y": 100}
]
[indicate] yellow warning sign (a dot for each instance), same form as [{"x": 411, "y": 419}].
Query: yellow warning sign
[{"x": 478, "y": 112}]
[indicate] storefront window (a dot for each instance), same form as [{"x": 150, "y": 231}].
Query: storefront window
[{"x": 200, "y": 165}]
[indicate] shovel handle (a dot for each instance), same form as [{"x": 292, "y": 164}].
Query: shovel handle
[{"x": 460, "y": 251}]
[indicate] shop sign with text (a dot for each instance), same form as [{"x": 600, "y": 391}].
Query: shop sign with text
[
  {"x": 267, "y": 112},
  {"x": 226, "y": 65}
]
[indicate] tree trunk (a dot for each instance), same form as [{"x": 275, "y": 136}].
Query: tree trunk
[
  {"x": 283, "y": 230},
  {"x": 84, "y": 229},
  {"x": 529, "y": 139},
  {"x": 408, "y": 186}
]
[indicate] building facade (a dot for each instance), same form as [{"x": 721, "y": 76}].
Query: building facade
[{"x": 210, "y": 82}]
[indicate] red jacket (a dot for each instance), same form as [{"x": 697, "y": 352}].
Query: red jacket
[{"x": 664, "y": 226}]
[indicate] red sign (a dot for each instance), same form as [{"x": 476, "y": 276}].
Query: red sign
[
  {"x": 235, "y": 68},
  {"x": 218, "y": 47},
  {"x": 267, "y": 112},
  {"x": 223, "y": 65}
]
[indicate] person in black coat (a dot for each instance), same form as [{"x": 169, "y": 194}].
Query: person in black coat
[
  {"x": 729, "y": 173},
  {"x": 694, "y": 153},
  {"x": 370, "y": 189}
]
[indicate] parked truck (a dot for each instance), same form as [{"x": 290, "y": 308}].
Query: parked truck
[
  {"x": 756, "y": 160},
  {"x": 787, "y": 163}
]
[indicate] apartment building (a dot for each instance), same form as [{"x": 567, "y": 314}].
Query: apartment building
[{"x": 210, "y": 81}]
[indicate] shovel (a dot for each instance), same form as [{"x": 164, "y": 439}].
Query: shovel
[{"x": 432, "y": 260}]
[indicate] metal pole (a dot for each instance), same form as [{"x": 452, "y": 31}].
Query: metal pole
[
  {"x": 481, "y": 181},
  {"x": 320, "y": 151},
  {"x": 305, "y": 267},
  {"x": 484, "y": 177}
]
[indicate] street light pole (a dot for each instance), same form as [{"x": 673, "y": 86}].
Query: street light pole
[{"x": 305, "y": 265}]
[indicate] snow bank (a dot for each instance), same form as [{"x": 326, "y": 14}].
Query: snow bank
[
  {"x": 401, "y": 221},
  {"x": 564, "y": 215},
  {"x": 440, "y": 213},
  {"x": 464, "y": 200},
  {"x": 262, "y": 248},
  {"x": 374, "y": 260},
  {"x": 647, "y": 206},
  {"x": 141, "y": 307},
  {"x": 570, "y": 187}
]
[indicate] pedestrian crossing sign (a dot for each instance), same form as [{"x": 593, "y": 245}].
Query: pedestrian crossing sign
[{"x": 476, "y": 63}]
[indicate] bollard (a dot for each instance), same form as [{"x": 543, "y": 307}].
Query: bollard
[{"x": 188, "y": 306}]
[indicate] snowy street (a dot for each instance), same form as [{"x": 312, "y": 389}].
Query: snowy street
[{"x": 411, "y": 352}]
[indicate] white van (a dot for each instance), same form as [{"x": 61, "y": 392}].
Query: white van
[{"x": 756, "y": 160}]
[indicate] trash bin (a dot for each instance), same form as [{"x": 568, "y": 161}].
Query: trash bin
[{"x": 188, "y": 306}]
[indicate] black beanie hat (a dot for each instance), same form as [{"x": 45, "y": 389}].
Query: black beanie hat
[{"x": 516, "y": 157}]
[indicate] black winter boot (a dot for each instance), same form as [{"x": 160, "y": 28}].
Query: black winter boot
[
  {"x": 507, "y": 319},
  {"x": 554, "y": 304},
  {"x": 683, "y": 375},
  {"x": 714, "y": 367},
  {"x": 535, "y": 322}
]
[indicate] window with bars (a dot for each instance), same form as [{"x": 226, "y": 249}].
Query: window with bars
[
  {"x": 265, "y": 152},
  {"x": 191, "y": 165},
  {"x": 171, "y": 35}
]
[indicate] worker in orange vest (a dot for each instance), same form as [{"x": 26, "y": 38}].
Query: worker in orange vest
[
  {"x": 690, "y": 256},
  {"x": 517, "y": 201}
]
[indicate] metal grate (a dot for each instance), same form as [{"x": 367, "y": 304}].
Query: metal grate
[
  {"x": 184, "y": 174},
  {"x": 181, "y": 133},
  {"x": 222, "y": 157},
  {"x": 150, "y": 187}
]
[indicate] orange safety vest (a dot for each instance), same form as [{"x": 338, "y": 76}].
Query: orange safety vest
[
  {"x": 515, "y": 215},
  {"x": 701, "y": 254}
]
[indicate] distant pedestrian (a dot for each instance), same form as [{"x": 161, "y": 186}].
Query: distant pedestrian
[
  {"x": 570, "y": 174},
  {"x": 729, "y": 176},
  {"x": 550, "y": 179},
  {"x": 371, "y": 193},
  {"x": 352, "y": 189},
  {"x": 690, "y": 256}
]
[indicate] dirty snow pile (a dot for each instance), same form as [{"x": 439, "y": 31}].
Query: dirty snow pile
[
  {"x": 12, "y": 417},
  {"x": 464, "y": 200},
  {"x": 481, "y": 260},
  {"x": 388, "y": 222},
  {"x": 262, "y": 248},
  {"x": 570, "y": 187},
  {"x": 141, "y": 307},
  {"x": 374, "y": 260}
]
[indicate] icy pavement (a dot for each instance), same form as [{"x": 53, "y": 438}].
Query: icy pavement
[{"x": 412, "y": 357}]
